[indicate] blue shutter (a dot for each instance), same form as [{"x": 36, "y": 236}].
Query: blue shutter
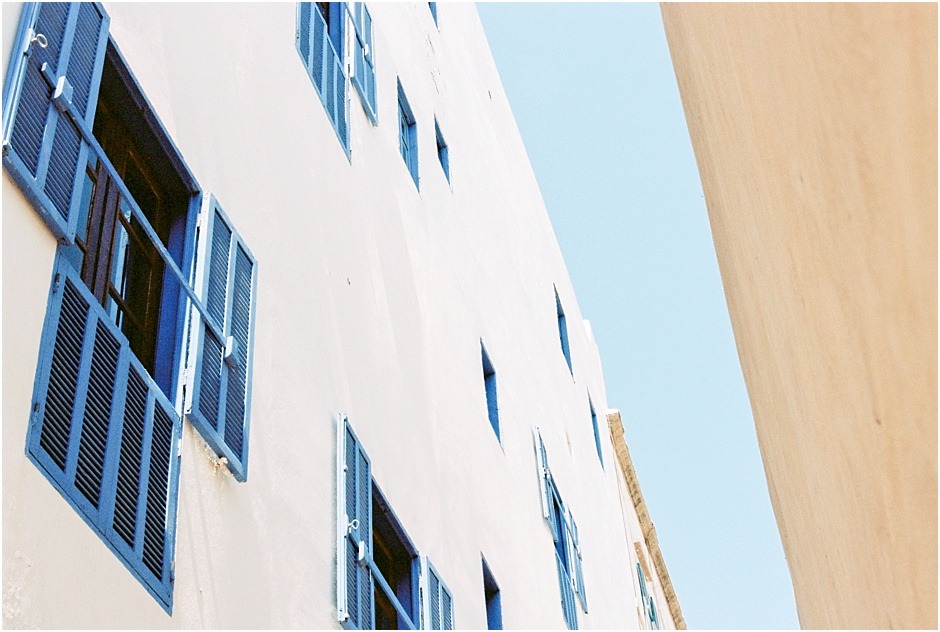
[
  {"x": 104, "y": 434},
  {"x": 219, "y": 406},
  {"x": 644, "y": 596},
  {"x": 42, "y": 149},
  {"x": 541, "y": 459},
  {"x": 354, "y": 531},
  {"x": 364, "y": 69},
  {"x": 574, "y": 557},
  {"x": 324, "y": 62},
  {"x": 437, "y": 602},
  {"x": 568, "y": 608}
]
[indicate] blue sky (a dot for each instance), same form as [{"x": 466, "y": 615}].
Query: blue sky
[{"x": 595, "y": 97}]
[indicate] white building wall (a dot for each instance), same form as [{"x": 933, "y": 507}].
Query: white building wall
[{"x": 372, "y": 300}]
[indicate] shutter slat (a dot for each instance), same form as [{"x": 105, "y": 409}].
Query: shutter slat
[
  {"x": 316, "y": 53},
  {"x": 135, "y": 408},
  {"x": 303, "y": 35},
  {"x": 97, "y": 414},
  {"x": 63, "y": 375},
  {"x": 157, "y": 492}
]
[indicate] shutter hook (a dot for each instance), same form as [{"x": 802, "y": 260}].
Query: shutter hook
[
  {"x": 352, "y": 526},
  {"x": 40, "y": 39}
]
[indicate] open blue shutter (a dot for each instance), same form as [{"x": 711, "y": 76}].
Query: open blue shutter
[
  {"x": 574, "y": 557},
  {"x": 104, "y": 434},
  {"x": 437, "y": 602},
  {"x": 354, "y": 531},
  {"x": 541, "y": 459},
  {"x": 325, "y": 63},
  {"x": 42, "y": 148},
  {"x": 364, "y": 60},
  {"x": 221, "y": 390}
]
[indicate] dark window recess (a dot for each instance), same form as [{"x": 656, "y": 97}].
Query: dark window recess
[
  {"x": 494, "y": 607},
  {"x": 489, "y": 384},
  {"x": 397, "y": 562},
  {"x": 116, "y": 259}
]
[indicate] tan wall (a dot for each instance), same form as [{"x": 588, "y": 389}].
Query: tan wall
[{"x": 815, "y": 131}]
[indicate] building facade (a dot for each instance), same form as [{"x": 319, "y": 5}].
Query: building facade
[
  {"x": 815, "y": 131},
  {"x": 288, "y": 339}
]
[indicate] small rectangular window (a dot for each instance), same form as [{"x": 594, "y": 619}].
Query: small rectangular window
[
  {"x": 563, "y": 331},
  {"x": 407, "y": 135},
  {"x": 494, "y": 608},
  {"x": 442, "y": 151},
  {"x": 564, "y": 532},
  {"x": 597, "y": 434},
  {"x": 396, "y": 560},
  {"x": 382, "y": 583},
  {"x": 489, "y": 384}
]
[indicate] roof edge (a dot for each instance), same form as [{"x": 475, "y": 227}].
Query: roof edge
[{"x": 615, "y": 425}]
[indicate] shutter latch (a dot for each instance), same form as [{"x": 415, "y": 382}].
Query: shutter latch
[
  {"x": 361, "y": 554},
  {"x": 231, "y": 347},
  {"x": 352, "y": 526},
  {"x": 39, "y": 39}
]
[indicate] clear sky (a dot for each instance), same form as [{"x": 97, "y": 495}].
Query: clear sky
[{"x": 595, "y": 97}]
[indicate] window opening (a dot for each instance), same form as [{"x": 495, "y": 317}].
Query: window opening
[
  {"x": 597, "y": 434},
  {"x": 396, "y": 560},
  {"x": 407, "y": 135},
  {"x": 442, "y": 154},
  {"x": 563, "y": 331},
  {"x": 494, "y": 608},
  {"x": 117, "y": 260},
  {"x": 489, "y": 384}
]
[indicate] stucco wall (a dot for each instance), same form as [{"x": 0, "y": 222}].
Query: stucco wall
[
  {"x": 815, "y": 131},
  {"x": 372, "y": 300}
]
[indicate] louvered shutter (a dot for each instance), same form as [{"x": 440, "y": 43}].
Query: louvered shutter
[
  {"x": 541, "y": 459},
  {"x": 364, "y": 61},
  {"x": 574, "y": 557},
  {"x": 644, "y": 596},
  {"x": 354, "y": 530},
  {"x": 324, "y": 64},
  {"x": 220, "y": 399},
  {"x": 104, "y": 434},
  {"x": 42, "y": 148},
  {"x": 436, "y": 600}
]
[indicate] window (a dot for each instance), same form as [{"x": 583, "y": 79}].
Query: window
[
  {"x": 649, "y": 604},
  {"x": 494, "y": 608},
  {"x": 489, "y": 385},
  {"x": 563, "y": 331},
  {"x": 382, "y": 583},
  {"x": 407, "y": 135},
  {"x": 597, "y": 434},
  {"x": 86, "y": 148},
  {"x": 397, "y": 562},
  {"x": 565, "y": 536},
  {"x": 442, "y": 151},
  {"x": 320, "y": 30},
  {"x": 364, "y": 61}
]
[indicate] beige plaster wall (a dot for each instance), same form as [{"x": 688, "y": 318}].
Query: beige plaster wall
[{"x": 815, "y": 131}]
